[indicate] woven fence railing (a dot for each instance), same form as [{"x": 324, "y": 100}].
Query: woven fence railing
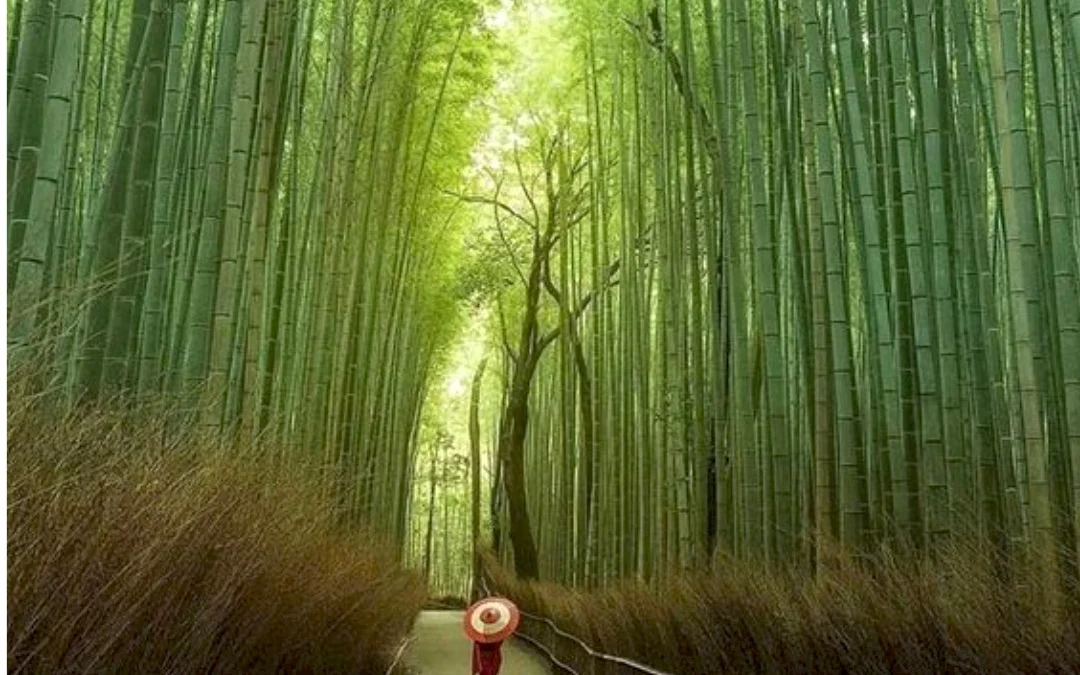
[{"x": 570, "y": 653}]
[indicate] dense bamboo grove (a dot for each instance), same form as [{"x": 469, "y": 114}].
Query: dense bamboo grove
[
  {"x": 753, "y": 277},
  {"x": 234, "y": 205},
  {"x": 805, "y": 273}
]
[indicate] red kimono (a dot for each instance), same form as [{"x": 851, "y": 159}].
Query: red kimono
[{"x": 486, "y": 658}]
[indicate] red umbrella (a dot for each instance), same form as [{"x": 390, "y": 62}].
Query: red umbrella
[{"x": 491, "y": 620}]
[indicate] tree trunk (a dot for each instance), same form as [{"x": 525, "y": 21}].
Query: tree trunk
[
  {"x": 512, "y": 455},
  {"x": 474, "y": 463}
]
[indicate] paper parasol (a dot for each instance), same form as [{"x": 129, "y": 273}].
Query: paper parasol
[{"x": 491, "y": 620}]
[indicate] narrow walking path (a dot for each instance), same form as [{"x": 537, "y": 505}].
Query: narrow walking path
[{"x": 440, "y": 647}]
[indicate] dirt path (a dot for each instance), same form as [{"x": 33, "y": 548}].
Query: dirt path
[{"x": 441, "y": 648}]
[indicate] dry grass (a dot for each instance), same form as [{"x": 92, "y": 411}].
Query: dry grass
[
  {"x": 956, "y": 616},
  {"x": 127, "y": 556}
]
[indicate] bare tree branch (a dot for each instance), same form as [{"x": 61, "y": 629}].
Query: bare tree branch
[
  {"x": 583, "y": 304},
  {"x": 502, "y": 237},
  {"x": 502, "y": 330},
  {"x": 521, "y": 180},
  {"x": 491, "y": 201},
  {"x": 552, "y": 290}
]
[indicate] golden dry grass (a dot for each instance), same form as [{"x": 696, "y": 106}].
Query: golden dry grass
[
  {"x": 132, "y": 551},
  {"x": 953, "y": 616}
]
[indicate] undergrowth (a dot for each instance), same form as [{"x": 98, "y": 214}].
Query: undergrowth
[
  {"x": 957, "y": 615},
  {"x": 132, "y": 552}
]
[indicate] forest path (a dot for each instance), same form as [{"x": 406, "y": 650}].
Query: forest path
[{"x": 440, "y": 647}]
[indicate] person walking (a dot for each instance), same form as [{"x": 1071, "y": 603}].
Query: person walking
[{"x": 489, "y": 622}]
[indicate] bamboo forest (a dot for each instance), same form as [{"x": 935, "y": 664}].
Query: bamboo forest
[{"x": 722, "y": 336}]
